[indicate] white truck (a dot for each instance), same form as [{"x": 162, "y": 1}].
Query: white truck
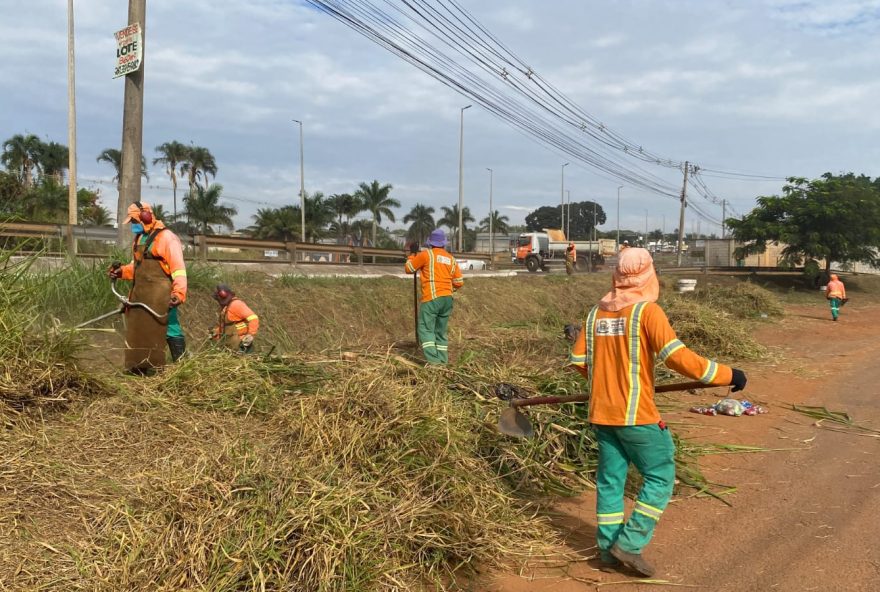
[{"x": 542, "y": 250}]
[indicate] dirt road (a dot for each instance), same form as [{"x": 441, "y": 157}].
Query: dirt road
[{"x": 803, "y": 519}]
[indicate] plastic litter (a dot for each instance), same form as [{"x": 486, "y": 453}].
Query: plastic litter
[{"x": 730, "y": 407}]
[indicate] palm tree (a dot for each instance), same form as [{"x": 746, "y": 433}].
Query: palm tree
[
  {"x": 375, "y": 200},
  {"x": 172, "y": 155},
  {"x": 422, "y": 223},
  {"x": 54, "y": 160},
  {"x": 318, "y": 215},
  {"x": 95, "y": 215},
  {"x": 499, "y": 223},
  {"x": 450, "y": 220},
  {"x": 343, "y": 205},
  {"x": 159, "y": 213},
  {"x": 198, "y": 164},
  {"x": 21, "y": 154},
  {"x": 276, "y": 223},
  {"x": 203, "y": 208},
  {"x": 114, "y": 158}
]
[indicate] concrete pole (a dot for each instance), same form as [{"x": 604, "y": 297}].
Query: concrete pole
[
  {"x": 132, "y": 127},
  {"x": 461, "y": 181},
  {"x": 302, "y": 184},
  {"x": 71, "y": 133},
  {"x": 684, "y": 185},
  {"x": 568, "y": 216},
  {"x": 491, "y": 215},
  {"x": 646, "y": 229},
  {"x": 618, "y": 218},
  {"x": 723, "y": 216},
  {"x": 562, "y": 198}
]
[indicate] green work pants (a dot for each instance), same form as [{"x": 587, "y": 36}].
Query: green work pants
[
  {"x": 652, "y": 452},
  {"x": 835, "y": 307},
  {"x": 174, "y": 329},
  {"x": 433, "y": 321}
]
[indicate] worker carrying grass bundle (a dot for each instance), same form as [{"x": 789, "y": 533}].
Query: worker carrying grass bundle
[
  {"x": 835, "y": 292},
  {"x": 570, "y": 258},
  {"x": 238, "y": 325},
  {"x": 615, "y": 351},
  {"x": 441, "y": 277},
  {"x": 158, "y": 276}
]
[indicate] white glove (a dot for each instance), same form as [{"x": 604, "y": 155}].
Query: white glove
[{"x": 247, "y": 340}]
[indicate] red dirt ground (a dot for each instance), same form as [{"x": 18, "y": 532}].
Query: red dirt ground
[{"x": 802, "y": 519}]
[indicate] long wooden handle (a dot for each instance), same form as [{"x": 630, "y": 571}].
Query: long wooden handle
[{"x": 663, "y": 388}]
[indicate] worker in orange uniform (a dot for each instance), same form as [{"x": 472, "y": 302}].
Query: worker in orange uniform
[
  {"x": 158, "y": 276},
  {"x": 238, "y": 325},
  {"x": 441, "y": 276},
  {"x": 835, "y": 292},
  {"x": 570, "y": 258},
  {"x": 615, "y": 351}
]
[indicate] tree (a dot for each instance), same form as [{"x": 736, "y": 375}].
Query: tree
[
  {"x": 499, "y": 223},
  {"x": 53, "y": 160},
  {"x": 343, "y": 205},
  {"x": 198, "y": 164},
  {"x": 11, "y": 194},
  {"x": 421, "y": 223},
  {"x": 90, "y": 210},
  {"x": 21, "y": 155},
  {"x": 580, "y": 226},
  {"x": 450, "y": 220},
  {"x": 318, "y": 215},
  {"x": 113, "y": 157},
  {"x": 276, "y": 224},
  {"x": 203, "y": 208},
  {"x": 172, "y": 155},
  {"x": 375, "y": 200},
  {"x": 836, "y": 218}
]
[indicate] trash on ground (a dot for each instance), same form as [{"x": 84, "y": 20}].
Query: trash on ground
[{"x": 730, "y": 407}]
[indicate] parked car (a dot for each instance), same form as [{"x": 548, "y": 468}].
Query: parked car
[{"x": 471, "y": 264}]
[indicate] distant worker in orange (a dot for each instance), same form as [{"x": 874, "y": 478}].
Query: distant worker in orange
[
  {"x": 616, "y": 349},
  {"x": 835, "y": 292},
  {"x": 441, "y": 277},
  {"x": 570, "y": 258},
  {"x": 238, "y": 325},
  {"x": 158, "y": 276}
]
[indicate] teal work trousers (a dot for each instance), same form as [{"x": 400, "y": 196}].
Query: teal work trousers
[
  {"x": 433, "y": 322},
  {"x": 174, "y": 329},
  {"x": 835, "y": 307},
  {"x": 652, "y": 452}
]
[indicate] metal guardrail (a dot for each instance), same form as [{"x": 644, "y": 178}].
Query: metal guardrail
[{"x": 296, "y": 251}]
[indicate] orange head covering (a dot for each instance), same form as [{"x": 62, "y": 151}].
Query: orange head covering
[
  {"x": 134, "y": 212},
  {"x": 633, "y": 281}
]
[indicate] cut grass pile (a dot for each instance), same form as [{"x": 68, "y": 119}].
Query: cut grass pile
[{"x": 301, "y": 471}]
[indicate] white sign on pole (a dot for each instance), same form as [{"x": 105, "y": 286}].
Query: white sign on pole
[{"x": 129, "y": 50}]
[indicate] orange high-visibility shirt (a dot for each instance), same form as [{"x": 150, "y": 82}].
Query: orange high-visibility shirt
[
  {"x": 835, "y": 289},
  {"x": 616, "y": 352},
  {"x": 166, "y": 248},
  {"x": 240, "y": 315},
  {"x": 441, "y": 275}
]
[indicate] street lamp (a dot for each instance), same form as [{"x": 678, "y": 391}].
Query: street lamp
[
  {"x": 618, "y": 217},
  {"x": 646, "y": 228},
  {"x": 568, "y": 215},
  {"x": 491, "y": 215},
  {"x": 461, "y": 181},
  {"x": 302, "y": 183},
  {"x": 562, "y": 197}
]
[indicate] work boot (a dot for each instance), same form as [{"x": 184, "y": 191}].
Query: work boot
[
  {"x": 177, "y": 345},
  {"x": 633, "y": 561}
]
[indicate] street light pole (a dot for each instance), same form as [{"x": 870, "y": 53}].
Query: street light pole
[
  {"x": 618, "y": 218},
  {"x": 568, "y": 215},
  {"x": 461, "y": 181},
  {"x": 302, "y": 183},
  {"x": 562, "y": 197},
  {"x": 71, "y": 132},
  {"x": 646, "y": 228},
  {"x": 491, "y": 215}
]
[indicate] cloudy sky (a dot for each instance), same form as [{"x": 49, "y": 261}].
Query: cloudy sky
[{"x": 766, "y": 87}]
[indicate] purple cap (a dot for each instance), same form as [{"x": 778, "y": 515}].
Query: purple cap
[{"x": 437, "y": 238}]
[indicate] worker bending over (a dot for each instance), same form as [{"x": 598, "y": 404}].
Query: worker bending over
[
  {"x": 615, "y": 351},
  {"x": 441, "y": 276},
  {"x": 238, "y": 325}
]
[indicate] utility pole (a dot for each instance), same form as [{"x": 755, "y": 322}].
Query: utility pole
[
  {"x": 617, "y": 250},
  {"x": 132, "y": 127},
  {"x": 302, "y": 184},
  {"x": 568, "y": 216},
  {"x": 562, "y": 197},
  {"x": 681, "y": 216},
  {"x": 646, "y": 228},
  {"x": 491, "y": 215},
  {"x": 461, "y": 182},
  {"x": 71, "y": 133},
  {"x": 723, "y": 216}
]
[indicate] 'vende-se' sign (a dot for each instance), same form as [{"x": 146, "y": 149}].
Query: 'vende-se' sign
[{"x": 129, "y": 50}]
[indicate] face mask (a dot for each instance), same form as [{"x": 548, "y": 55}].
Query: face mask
[{"x": 137, "y": 228}]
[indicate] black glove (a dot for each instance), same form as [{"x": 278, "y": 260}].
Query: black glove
[
  {"x": 115, "y": 271},
  {"x": 414, "y": 248},
  {"x": 738, "y": 382}
]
